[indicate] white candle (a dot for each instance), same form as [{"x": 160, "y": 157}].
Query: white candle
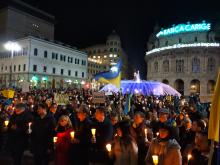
[
  {"x": 155, "y": 159},
  {"x": 29, "y": 127},
  {"x": 55, "y": 139},
  {"x": 189, "y": 156},
  {"x": 109, "y": 147},
  {"x": 72, "y": 134},
  {"x": 157, "y": 133},
  {"x": 6, "y": 123},
  {"x": 145, "y": 131},
  {"x": 93, "y": 130}
]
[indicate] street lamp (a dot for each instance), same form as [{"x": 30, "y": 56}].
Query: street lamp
[{"x": 13, "y": 47}]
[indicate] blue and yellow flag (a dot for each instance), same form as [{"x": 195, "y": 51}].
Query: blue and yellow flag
[
  {"x": 128, "y": 104},
  {"x": 214, "y": 119},
  {"x": 111, "y": 77}
]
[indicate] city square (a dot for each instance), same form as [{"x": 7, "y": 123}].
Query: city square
[{"x": 109, "y": 83}]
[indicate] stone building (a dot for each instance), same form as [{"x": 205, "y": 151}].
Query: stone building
[{"x": 185, "y": 56}]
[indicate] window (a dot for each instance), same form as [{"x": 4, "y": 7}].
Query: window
[
  {"x": 14, "y": 68},
  {"x": 166, "y": 66},
  {"x": 115, "y": 43},
  {"x": 111, "y": 50},
  {"x": 45, "y": 54},
  {"x": 35, "y": 68},
  {"x": 61, "y": 57},
  {"x": 61, "y": 71},
  {"x": 180, "y": 40},
  {"x": 82, "y": 74},
  {"x": 111, "y": 43},
  {"x": 195, "y": 65},
  {"x": 115, "y": 49},
  {"x": 24, "y": 67},
  {"x": 69, "y": 72},
  {"x": 211, "y": 65},
  {"x": 166, "y": 43},
  {"x": 19, "y": 68},
  {"x": 54, "y": 70},
  {"x": 35, "y": 51},
  {"x": 196, "y": 39},
  {"x": 56, "y": 56},
  {"x": 179, "y": 66},
  {"x": 156, "y": 66},
  {"x": 64, "y": 58},
  {"x": 44, "y": 69},
  {"x": 76, "y": 73},
  {"x": 6, "y": 68},
  {"x": 53, "y": 55}
]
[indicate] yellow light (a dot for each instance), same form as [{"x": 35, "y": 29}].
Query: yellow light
[
  {"x": 109, "y": 147},
  {"x": 72, "y": 134},
  {"x": 55, "y": 139},
  {"x": 6, "y": 123},
  {"x": 93, "y": 130},
  {"x": 155, "y": 159},
  {"x": 189, "y": 156}
]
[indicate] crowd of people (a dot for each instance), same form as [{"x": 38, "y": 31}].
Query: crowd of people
[{"x": 163, "y": 130}]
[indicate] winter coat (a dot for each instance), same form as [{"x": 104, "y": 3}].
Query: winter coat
[
  {"x": 125, "y": 153},
  {"x": 168, "y": 152},
  {"x": 18, "y": 136},
  {"x": 43, "y": 133},
  {"x": 63, "y": 147}
]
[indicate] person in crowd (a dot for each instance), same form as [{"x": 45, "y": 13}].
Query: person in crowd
[
  {"x": 62, "y": 146},
  {"x": 54, "y": 111},
  {"x": 125, "y": 149},
  {"x": 198, "y": 125},
  {"x": 138, "y": 133},
  {"x": 165, "y": 147},
  {"x": 180, "y": 119},
  {"x": 103, "y": 135},
  {"x": 42, "y": 136},
  {"x": 18, "y": 132},
  {"x": 114, "y": 121},
  {"x": 80, "y": 147},
  {"x": 200, "y": 154}
]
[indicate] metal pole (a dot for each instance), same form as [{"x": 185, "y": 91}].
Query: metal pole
[{"x": 10, "y": 76}]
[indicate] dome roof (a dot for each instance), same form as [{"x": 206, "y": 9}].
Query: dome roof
[{"x": 113, "y": 36}]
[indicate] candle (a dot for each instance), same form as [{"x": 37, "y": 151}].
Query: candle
[
  {"x": 6, "y": 123},
  {"x": 72, "y": 133},
  {"x": 109, "y": 147},
  {"x": 145, "y": 131},
  {"x": 157, "y": 133},
  {"x": 93, "y": 130},
  {"x": 55, "y": 139},
  {"x": 155, "y": 159},
  {"x": 21, "y": 99},
  {"x": 32, "y": 106},
  {"x": 29, "y": 127},
  {"x": 189, "y": 156}
]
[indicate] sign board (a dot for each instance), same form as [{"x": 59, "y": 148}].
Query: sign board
[
  {"x": 25, "y": 86},
  {"x": 98, "y": 97},
  {"x": 108, "y": 93},
  {"x": 61, "y": 99}
]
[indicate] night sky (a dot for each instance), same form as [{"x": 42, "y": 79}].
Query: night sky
[{"x": 82, "y": 23}]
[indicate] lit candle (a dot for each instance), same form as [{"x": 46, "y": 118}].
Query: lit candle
[
  {"x": 55, "y": 139},
  {"x": 145, "y": 131},
  {"x": 32, "y": 106},
  {"x": 29, "y": 127},
  {"x": 6, "y": 123},
  {"x": 189, "y": 156},
  {"x": 93, "y": 130},
  {"x": 157, "y": 133},
  {"x": 155, "y": 159},
  {"x": 109, "y": 147},
  {"x": 72, "y": 133},
  {"x": 21, "y": 99}
]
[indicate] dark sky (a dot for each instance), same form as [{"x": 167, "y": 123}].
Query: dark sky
[{"x": 83, "y": 23}]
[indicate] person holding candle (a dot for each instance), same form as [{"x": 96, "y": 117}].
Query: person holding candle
[
  {"x": 104, "y": 134},
  {"x": 124, "y": 148},
  {"x": 43, "y": 131},
  {"x": 80, "y": 146},
  {"x": 165, "y": 147},
  {"x": 62, "y": 146},
  {"x": 17, "y": 131}
]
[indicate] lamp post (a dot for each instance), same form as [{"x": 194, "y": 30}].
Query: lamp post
[{"x": 13, "y": 47}]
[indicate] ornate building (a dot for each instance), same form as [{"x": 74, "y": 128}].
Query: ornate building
[
  {"x": 185, "y": 56},
  {"x": 102, "y": 56}
]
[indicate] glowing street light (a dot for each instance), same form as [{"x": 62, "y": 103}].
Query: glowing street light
[{"x": 13, "y": 47}]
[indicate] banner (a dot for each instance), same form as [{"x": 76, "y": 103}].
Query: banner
[
  {"x": 98, "y": 97},
  {"x": 8, "y": 93}
]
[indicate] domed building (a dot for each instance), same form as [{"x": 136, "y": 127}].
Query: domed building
[
  {"x": 185, "y": 56},
  {"x": 102, "y": 56}
]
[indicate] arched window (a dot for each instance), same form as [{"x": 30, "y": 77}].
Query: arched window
[
  {"x": 195, "y": 65},
  {"x": 166, "y": 66},
  {"x": 211, "y": 65},
  {"x": 156, "y": 66}
]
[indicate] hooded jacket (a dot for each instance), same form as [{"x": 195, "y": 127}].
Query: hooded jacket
[{"x": 168, "y": 152}]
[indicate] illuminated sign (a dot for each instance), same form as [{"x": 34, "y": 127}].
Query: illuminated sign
[
  {"x": 183, "y": 28},
  {"x": 176, "y": 46}
]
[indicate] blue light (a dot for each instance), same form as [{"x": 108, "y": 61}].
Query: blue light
[{"x": 183, "y": 28}]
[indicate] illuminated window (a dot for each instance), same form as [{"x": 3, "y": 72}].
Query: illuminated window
[
  {"x": 105, "y": 56},
  {"x": 94, "y": 56},
  {"x": 111, "y": 55}
]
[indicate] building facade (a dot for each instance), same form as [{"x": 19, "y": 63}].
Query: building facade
[
  {"x": 42, "y": 61},
  {"x": 43, "y": 64},
  {"x": 101, "y": 57},
  {"x": 185, "y": 56}
]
